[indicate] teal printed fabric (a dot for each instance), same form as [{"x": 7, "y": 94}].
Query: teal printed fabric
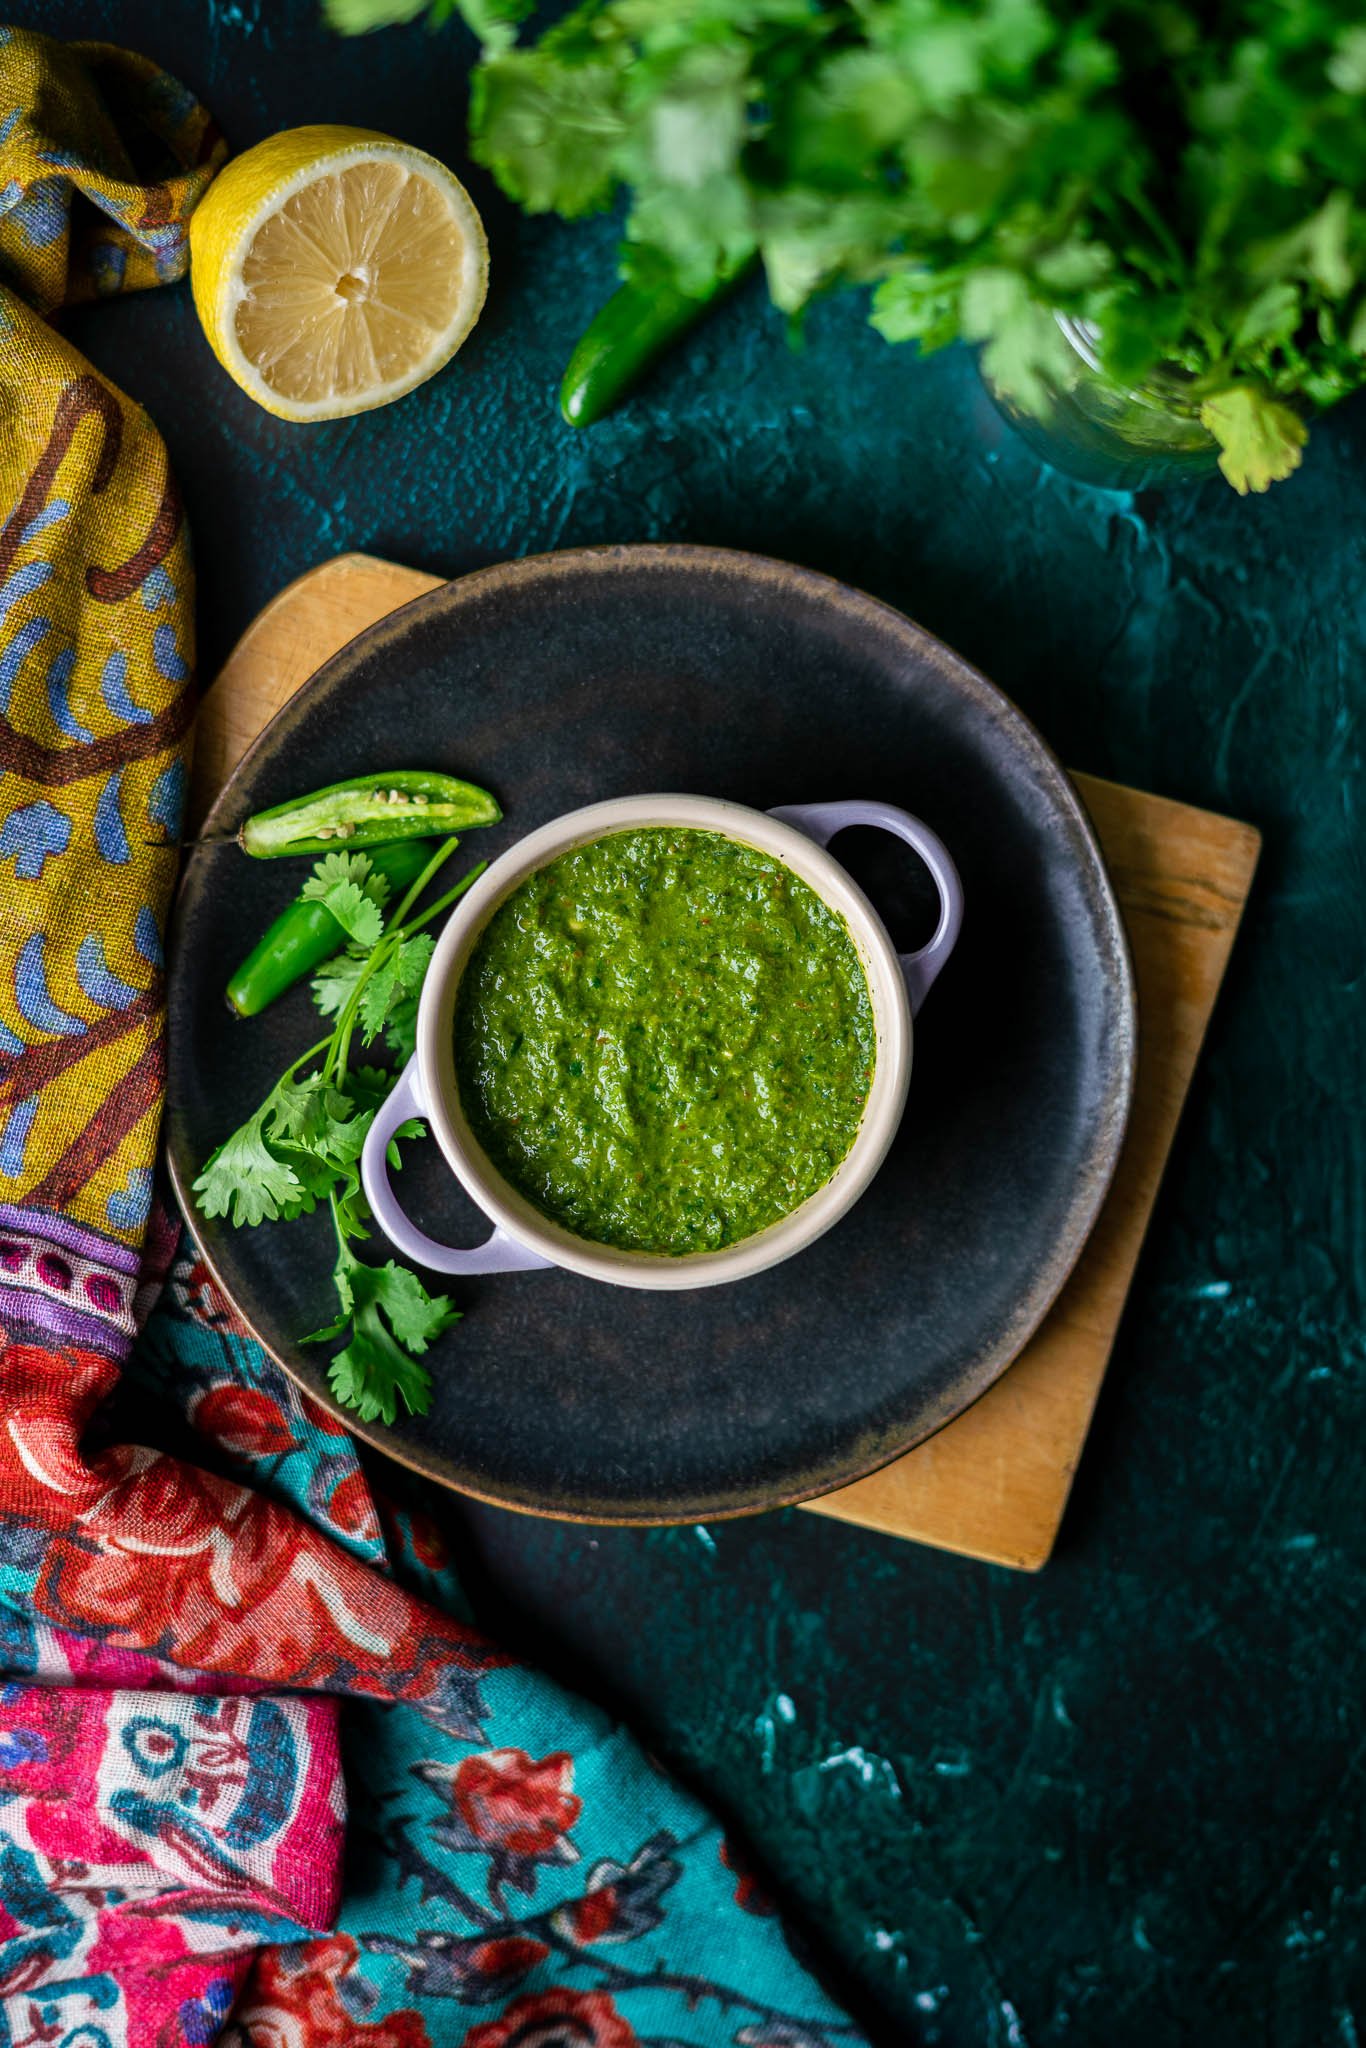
[{"x": 517, "y": 1873}]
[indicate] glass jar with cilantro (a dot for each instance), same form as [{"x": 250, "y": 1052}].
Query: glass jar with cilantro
[{"x": 1109, "y": 431}]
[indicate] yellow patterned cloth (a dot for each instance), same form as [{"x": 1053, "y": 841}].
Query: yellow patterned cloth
[{"x": 102, "y": 159}]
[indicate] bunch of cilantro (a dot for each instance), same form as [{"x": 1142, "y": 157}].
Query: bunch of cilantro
[
  {"x": 1186, "y": 176},
  {"x": 303, "y": 1145}
]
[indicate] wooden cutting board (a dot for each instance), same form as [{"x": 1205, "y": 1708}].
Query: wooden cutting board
[{"x": 995, "y": 1482}]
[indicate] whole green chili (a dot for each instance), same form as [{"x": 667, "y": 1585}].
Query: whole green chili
[
  {"x": 306, "y": 933},
  {"x": 626, "y": 337}
]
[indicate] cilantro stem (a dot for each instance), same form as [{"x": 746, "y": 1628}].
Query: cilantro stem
[
  {"x": 445, "y": 902},
  {"x": 397, "y": 932},
  {"x": 437, "y": 861},
  {"x": 312, "y": 1053},
  {"x": 340, "y": 1055}
]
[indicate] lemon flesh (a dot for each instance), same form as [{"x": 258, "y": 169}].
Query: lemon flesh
[{"x": 335, "y": 269}]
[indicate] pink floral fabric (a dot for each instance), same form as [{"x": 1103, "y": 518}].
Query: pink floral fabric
[{"x": 154, "y": 1835}]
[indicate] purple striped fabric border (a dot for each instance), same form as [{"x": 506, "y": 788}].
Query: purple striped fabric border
[
  {"x": 73, "y": 1237},
  {"x": 39, "y": 1313}
]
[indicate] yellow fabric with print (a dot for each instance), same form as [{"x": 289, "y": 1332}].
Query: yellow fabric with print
[{"x": 96, "y": 639}]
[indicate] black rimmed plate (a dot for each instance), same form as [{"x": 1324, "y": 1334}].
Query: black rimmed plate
[{"x": 568, "y": 678}]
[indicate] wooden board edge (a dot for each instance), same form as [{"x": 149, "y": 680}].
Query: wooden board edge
[
  {"x": 1247, "y": 839},
  {"x": 1013, "y": 1558},
  {"x": 284, "y": 600},
  {"x": 1236, "y": 830},
  {"x": 338, "y": 568}
]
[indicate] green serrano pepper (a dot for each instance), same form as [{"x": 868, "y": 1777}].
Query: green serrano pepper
[
  {"x": 370, "y": 810},
  {"x": 619, "y": 344},
  {"x": 306, "y": 933}
]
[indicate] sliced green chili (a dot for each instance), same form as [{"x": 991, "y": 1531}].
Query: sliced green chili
[
  {"x": 306, "y": 933},
  {"x": 367, "y": 811}
]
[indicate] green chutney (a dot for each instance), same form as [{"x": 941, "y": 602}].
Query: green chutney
[{"x": 664, "y": 1039}]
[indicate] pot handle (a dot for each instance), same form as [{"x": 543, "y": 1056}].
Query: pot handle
[
  {"x": 822, "y": 821},
  {"x": 500, "y": 1253}
]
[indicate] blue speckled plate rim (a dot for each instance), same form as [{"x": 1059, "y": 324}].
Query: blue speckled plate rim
[{"x": 996, "y": 707}]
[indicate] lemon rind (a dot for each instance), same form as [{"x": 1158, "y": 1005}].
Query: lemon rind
[{"x": 228, "y": 290}]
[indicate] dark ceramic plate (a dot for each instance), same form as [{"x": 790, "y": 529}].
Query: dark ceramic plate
[{"x": 572, "y": 677}]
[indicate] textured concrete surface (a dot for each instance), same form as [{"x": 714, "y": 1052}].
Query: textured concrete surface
[{"x": 1120, "y": 1803}]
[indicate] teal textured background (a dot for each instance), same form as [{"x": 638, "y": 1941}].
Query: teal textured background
[{"x": 1121, "y": 1802}]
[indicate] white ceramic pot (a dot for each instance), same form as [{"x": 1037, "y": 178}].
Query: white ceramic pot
[{"x": 523, "y": 1238}]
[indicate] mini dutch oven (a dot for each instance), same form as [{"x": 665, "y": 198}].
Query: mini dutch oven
[{"x": 522, "y": 1238}]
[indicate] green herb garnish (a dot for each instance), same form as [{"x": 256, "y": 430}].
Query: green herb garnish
[
  {"x": 1186, "y": 180},
  {"x": 303, "y": 1145}
]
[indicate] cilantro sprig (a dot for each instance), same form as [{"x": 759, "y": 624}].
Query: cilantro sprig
[
  {"x": 389, "y": 1320},
  {"x": 1185, "y": 181},
  {"x": 303, "y": 1145}
]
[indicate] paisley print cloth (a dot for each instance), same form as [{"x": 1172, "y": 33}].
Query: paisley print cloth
[
  {"x": 223, "y": 1646},
  {"x": 96, "y": 631}
]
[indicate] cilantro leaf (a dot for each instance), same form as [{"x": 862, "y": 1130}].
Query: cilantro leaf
[
  {"x": 411, "y": 1127},
  {"x": 319, "y": 1118},
  {"x": 334, "y": 985},
  {"x": 346, "y": 867},
  {"x": 340, "y": 1129},
  {"x": 368, "y": 1086},
  {"x": 417, "y": 1318},
  {"x": 493, "y": 21},
  {"x": 392, "y": 1321},
  {"x": 1347, "y": 65},
  {"x": 400, "y": 1028},
  {"x": 349, "y": 1206},
  {"x": 355, "y": 911},
  {"x": 359, "y": 17},
  {"x": 400, "y": 975},
  {"x": 372, "y": 1374},
  {"x": 548, "y": 128},
  {"x": 917, "y": 305},
  {"x": 245, "y": 1181},
  {"x": 293, "y": 1107},
  {"x": 1024, "y": 352},
  {"x": 1259, "y": 440},
  {"x": 354, "y": 891},
  {"x": 1271, "y": 317}
]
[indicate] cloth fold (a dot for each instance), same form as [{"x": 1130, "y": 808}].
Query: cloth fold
[
  {"x": 189, "y": 1800},
  {"x": 518, "y": 1874}
]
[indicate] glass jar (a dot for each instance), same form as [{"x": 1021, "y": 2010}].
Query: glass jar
[{"x": 1119, "y": 436}]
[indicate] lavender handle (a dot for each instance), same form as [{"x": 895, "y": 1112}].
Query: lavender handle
[
  {"x": 822, "y": 821},
  {"x": 498, "y": 1254}
]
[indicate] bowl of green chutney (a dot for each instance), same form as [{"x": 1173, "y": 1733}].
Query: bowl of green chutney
[{"x": 664, "y": 1041}]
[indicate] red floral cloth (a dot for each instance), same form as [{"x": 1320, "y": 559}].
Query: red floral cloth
[{"x": 153, "y": 1555}]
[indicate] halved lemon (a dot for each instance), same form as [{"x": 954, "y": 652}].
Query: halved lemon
[{"x": 333, "y": 269}]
